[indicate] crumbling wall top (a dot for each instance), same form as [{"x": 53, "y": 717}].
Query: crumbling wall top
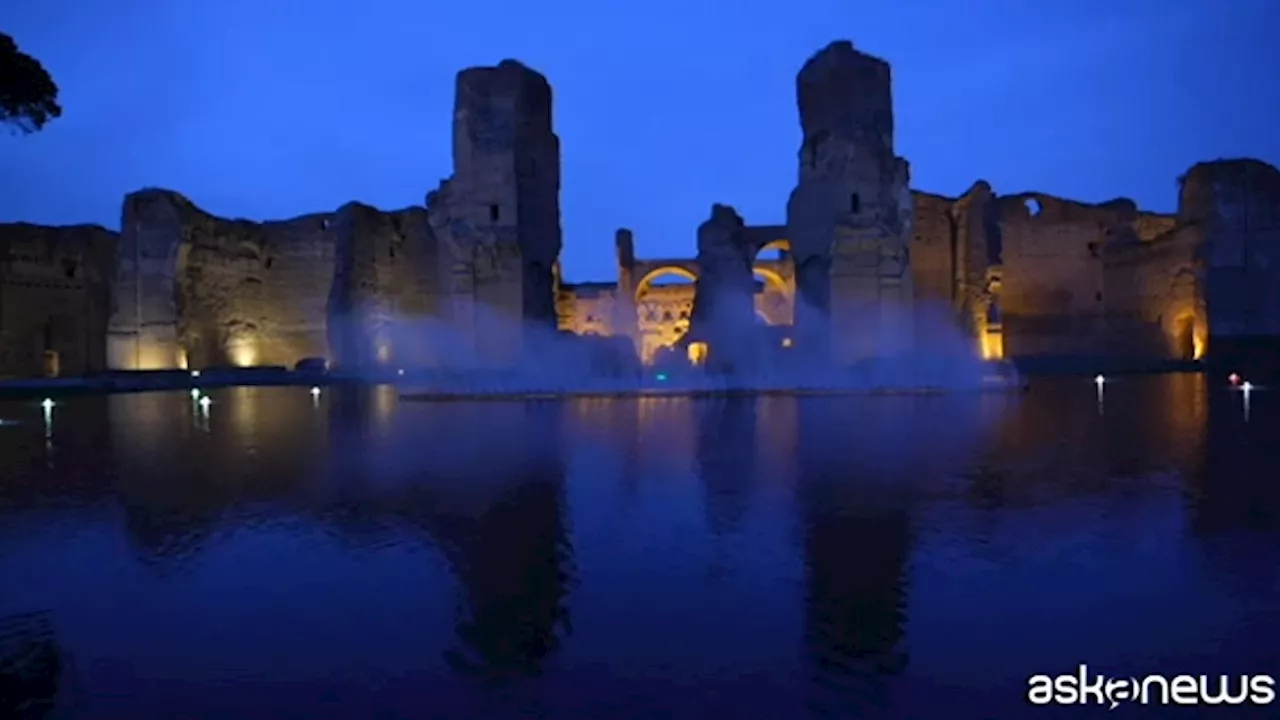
[
  {"x": 844, "y": 92},
  {"x": 493, "y": 95},
  {"x": 1207, "y": 187},
  {"x": 1041, "y": 207}
]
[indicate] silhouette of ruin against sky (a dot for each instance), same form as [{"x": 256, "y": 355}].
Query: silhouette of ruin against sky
[{"x": 267, "y": 111}]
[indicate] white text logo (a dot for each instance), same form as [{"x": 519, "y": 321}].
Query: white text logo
[{"x": 1084, "y": 688}]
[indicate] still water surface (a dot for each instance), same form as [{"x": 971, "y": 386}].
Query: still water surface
[{"x": 352, "y": 556}]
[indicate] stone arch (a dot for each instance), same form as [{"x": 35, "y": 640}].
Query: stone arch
[
  {"x": 647, "y": 281},
  {"x": 781, "y": 245},
  {"x": 773, "y": 279},
  {"x": 662, "y": 311}
]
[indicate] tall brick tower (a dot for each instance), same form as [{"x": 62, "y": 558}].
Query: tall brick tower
[
  {"x": 498, "y": 216},
  {"x": 849, "y": 216}
]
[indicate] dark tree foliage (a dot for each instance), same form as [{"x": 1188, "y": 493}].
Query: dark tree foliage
[{"x": 28, "y": 95}]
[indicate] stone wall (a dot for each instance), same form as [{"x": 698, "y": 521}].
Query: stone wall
[
  {"x": 55, "y": 298},
  {"x": 1153, "y": 302},
  {"x": 849, "y": 217},
  {"x": 588, "y": 308},
  {"x": 498, "y": 216},
  {"x": 349, "y": 286},
  {"x": 724, "y": 306},
  {"x": 1233, "y": 206},
  {"x": 933, "y": 249},
  {"x": 386, "y": 292},
  {"x": 1051, "y": 300}
]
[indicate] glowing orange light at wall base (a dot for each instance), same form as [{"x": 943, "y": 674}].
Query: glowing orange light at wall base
[
  {"x": 243, "y": 354},
  {"x": 1197, "y": 347},
  {"x": 992, "y": 346},
  {"x": 697, "y": 353}
]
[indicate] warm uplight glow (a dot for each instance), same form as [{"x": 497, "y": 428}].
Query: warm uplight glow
[
  {"x": 786, "y": 342},
  {"x": 992, "y": 346},
  {"x": 697, "y": 353},
  {"x": 1197, "y": 347},
  {"x": 384, "y": 353},
  {"x": 147, "y": 354},
  {"x": 243, "y": 354}
]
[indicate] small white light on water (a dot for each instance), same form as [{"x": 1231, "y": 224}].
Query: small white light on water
[
  {"x": 315, "y": 392},
  {"x": 195, "y": 373},
  {"x": 205, "y": 402},
  {"x": 1099, "y": 380},
  {"x": 195, "y": 393},
  {"x": 47, "y": 404},
  {"x": 1247, "y": 386},
  {"x": 400, "y": 371}
]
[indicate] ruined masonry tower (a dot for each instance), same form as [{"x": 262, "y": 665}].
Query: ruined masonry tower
[
  {"x": 849, "y": 216},
  {"x": 498, "y": 218}
]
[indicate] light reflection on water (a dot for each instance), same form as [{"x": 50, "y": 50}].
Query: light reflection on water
[{"x": 348, "y": 554}]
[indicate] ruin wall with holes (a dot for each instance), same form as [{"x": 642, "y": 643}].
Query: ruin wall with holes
[{"x": 55, "y": 298}]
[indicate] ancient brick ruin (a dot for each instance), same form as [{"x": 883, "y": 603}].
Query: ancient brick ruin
[{"x": 472, "y": 279}]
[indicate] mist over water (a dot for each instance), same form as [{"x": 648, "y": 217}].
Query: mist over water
[{"x": 923, "y": 351}]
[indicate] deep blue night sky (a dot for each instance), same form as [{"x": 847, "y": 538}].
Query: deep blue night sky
[{"x": 274, "y": 108}]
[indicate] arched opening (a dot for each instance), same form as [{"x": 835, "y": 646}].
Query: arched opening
[
  {"x": 664, "y": 277},
  {"x": 775, "y": 293},
  {"x": 664, "y": 297}
]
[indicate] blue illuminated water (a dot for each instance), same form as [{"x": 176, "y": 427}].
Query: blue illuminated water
[{"x": 277, "y": 555}]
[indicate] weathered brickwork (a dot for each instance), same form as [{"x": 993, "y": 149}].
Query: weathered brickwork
[
  {"x": 55, "y": 298},
  {"x": 472, "y": 279}
]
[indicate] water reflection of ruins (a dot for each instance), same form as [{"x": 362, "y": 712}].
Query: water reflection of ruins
[
  {"x": 186, "y": 477},
  {"x": 497, "y": 514}
]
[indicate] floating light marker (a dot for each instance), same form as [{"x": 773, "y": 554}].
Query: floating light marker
[
  {"x": 46, "y": 406},
  {"x": 195, "y": 373},
  {"x": 1233, "y": 378},
  {"x": 400, "y": 371},
  {"x": 205, "y": 402},
  {"x": 662, "y": 377},
  {"x": 1099, "y": 381},
  {"x": 195, "y": 393},
  {"x": 315, "y": 392},
  {"x": 1247, "y": 387}
]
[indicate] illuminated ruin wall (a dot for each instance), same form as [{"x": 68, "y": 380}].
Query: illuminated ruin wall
[
  {"x": 498, "y": 216},
  {"x": 849, "y": 216},
  {"x": 1035, "y": 275},
  {"x": 55, "y": 298},
  {"x": 1030, "y": 274},
  {"x": 216, "y": 292},
  {"x": 468, "y": 279}
]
